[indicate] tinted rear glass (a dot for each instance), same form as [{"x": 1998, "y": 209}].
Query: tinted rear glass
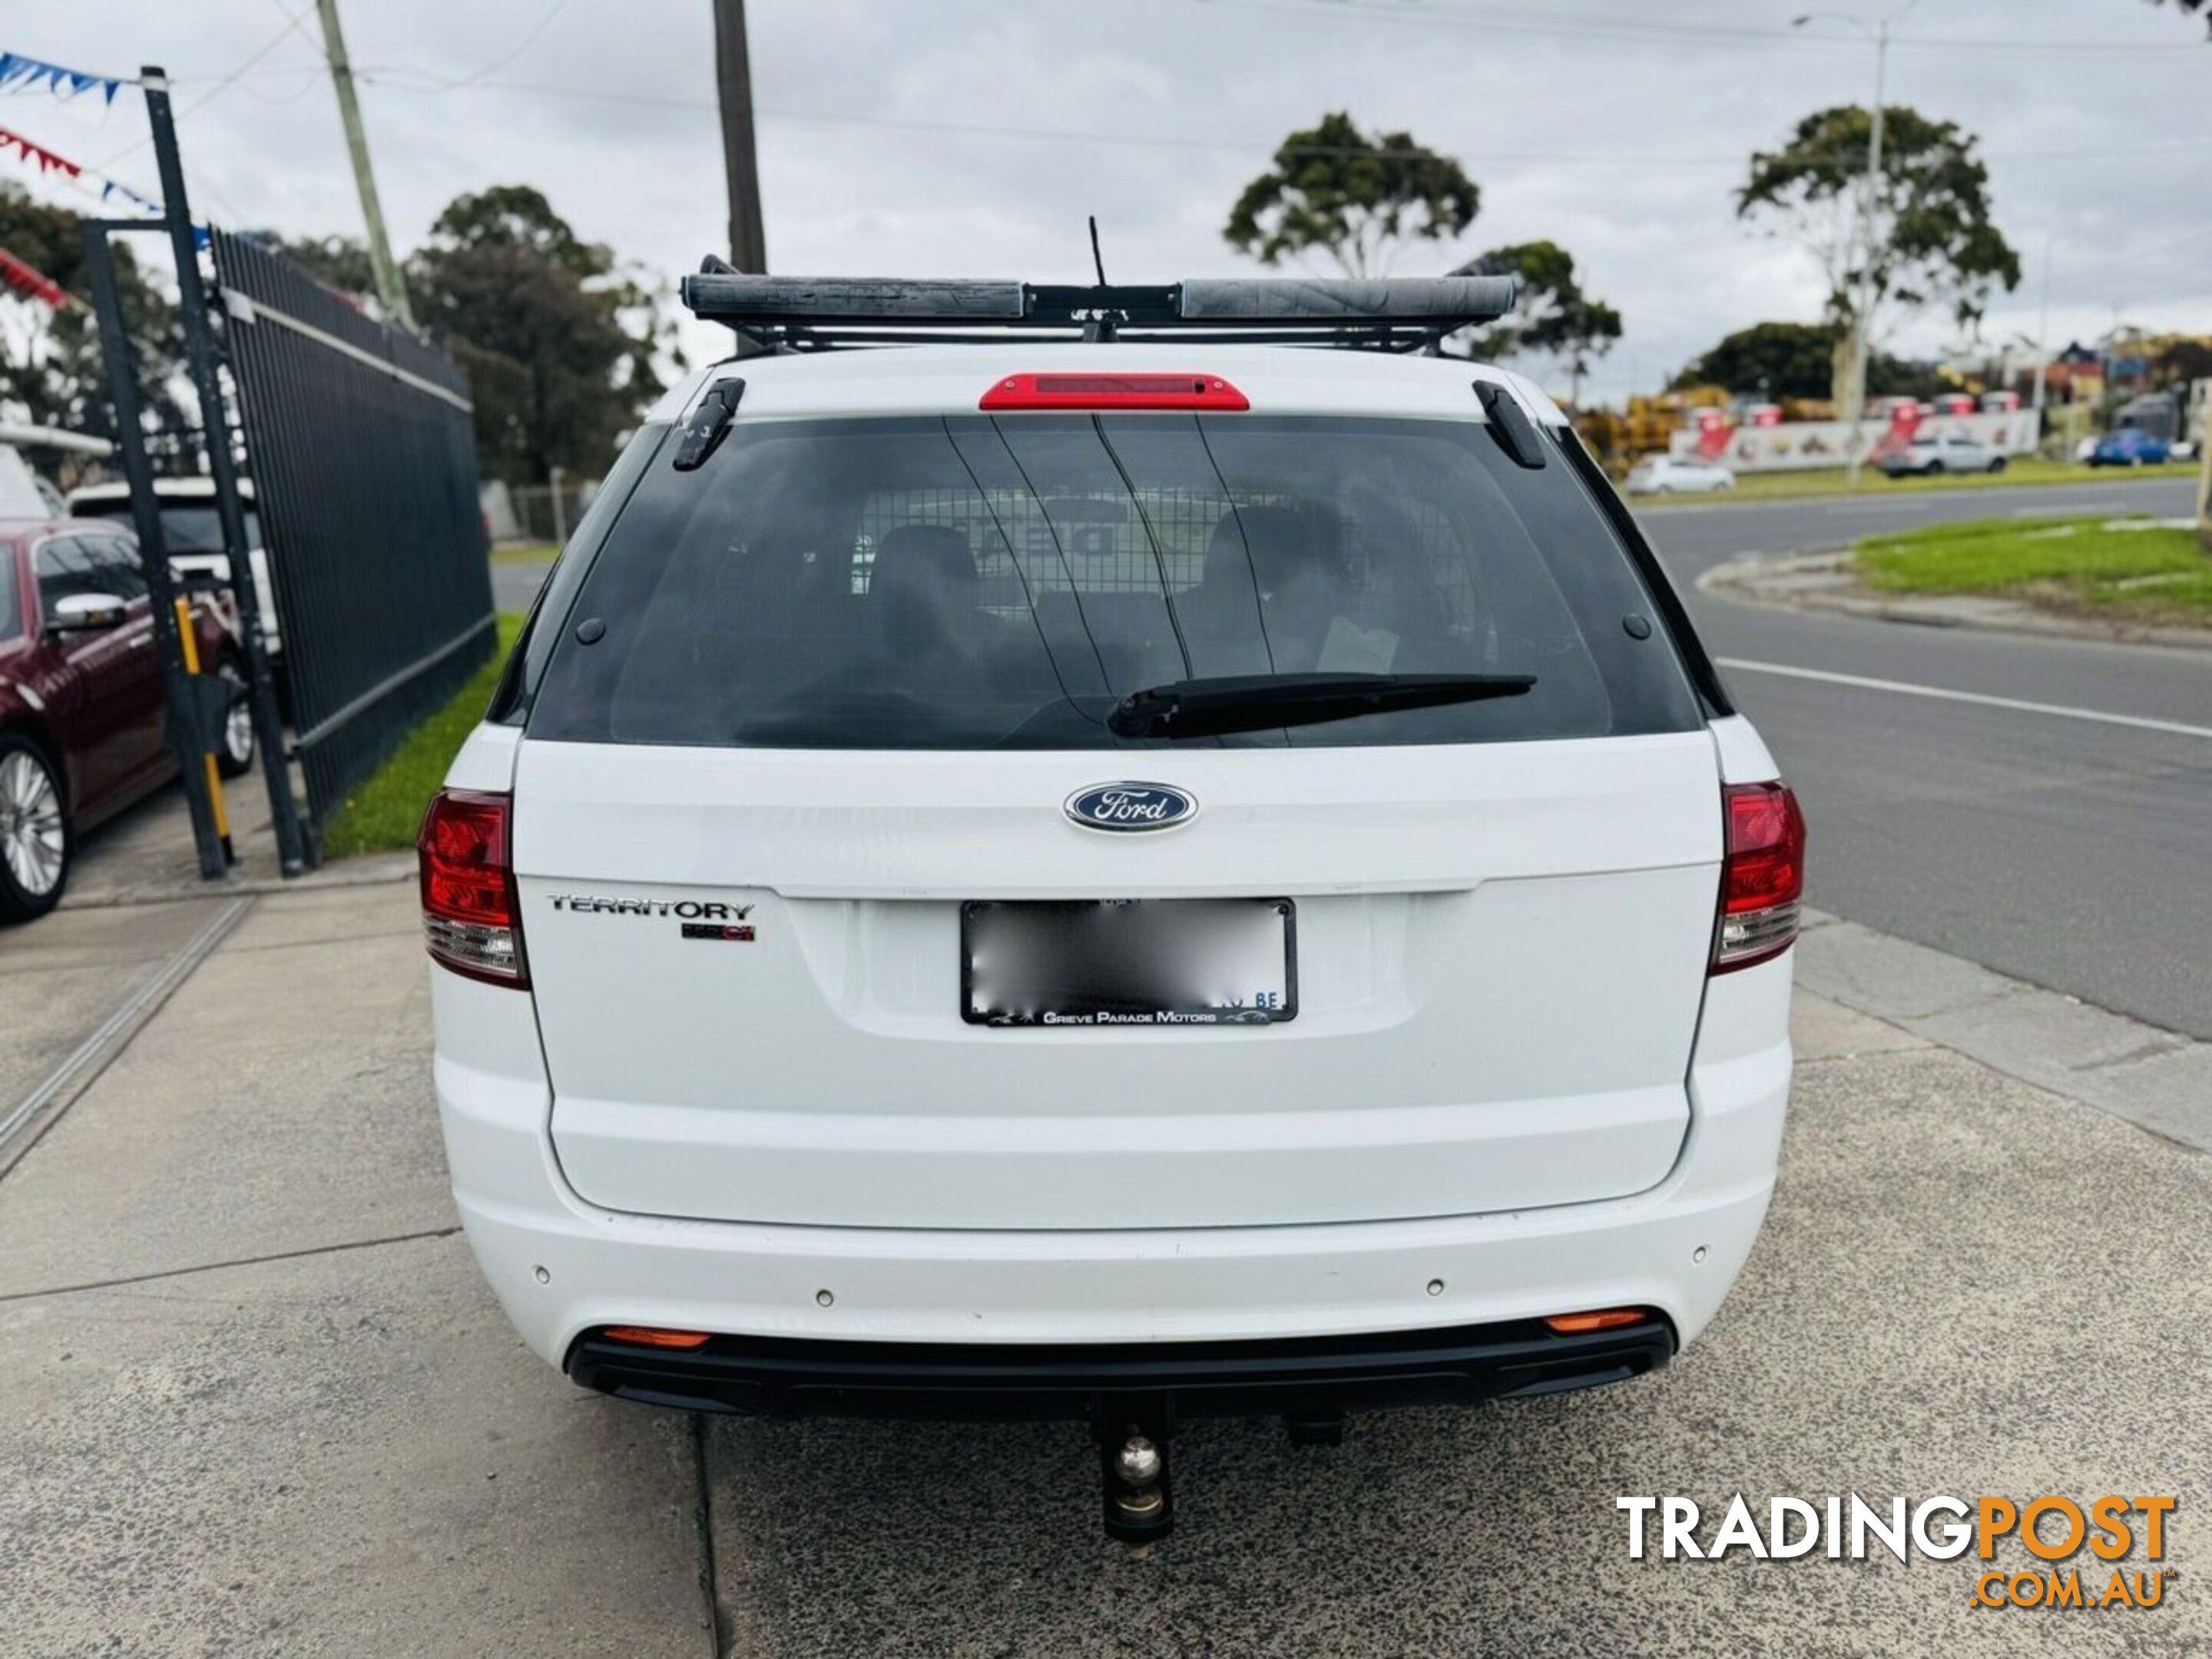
[{"x": 965, "y": 583}]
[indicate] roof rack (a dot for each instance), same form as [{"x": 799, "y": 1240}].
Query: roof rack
[{"x": 813, "y": 313}]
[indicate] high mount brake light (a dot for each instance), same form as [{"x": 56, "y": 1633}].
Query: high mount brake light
[
  {"x": 1762, "y": 874},
  {"x": 466, "y": 855},
  {"x": 1114, "y": 392}
]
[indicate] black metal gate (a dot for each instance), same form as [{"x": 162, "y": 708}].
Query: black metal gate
[{"x": 361, "y": 443}]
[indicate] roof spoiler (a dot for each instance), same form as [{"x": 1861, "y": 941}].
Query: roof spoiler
[{"x": 809, "y": 310}]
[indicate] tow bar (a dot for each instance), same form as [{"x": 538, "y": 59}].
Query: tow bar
[{"x": 1132, "y": 1459}]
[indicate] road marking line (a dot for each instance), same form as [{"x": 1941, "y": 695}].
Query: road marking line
[
  {"x": 1943, "y": 694},
  {"x": 143, "y": 1002}
]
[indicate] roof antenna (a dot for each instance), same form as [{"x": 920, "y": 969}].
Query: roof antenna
[{"x": 1103, "y": 320}]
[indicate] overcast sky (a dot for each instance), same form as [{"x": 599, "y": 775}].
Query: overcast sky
[{"x": 959, "y": 138}]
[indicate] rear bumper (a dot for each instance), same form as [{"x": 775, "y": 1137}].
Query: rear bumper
[
  {"x": 563, "y": 1268},
  {"x": 772, "y": 1377}
]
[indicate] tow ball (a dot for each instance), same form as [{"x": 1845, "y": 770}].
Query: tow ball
[
  {"x": 1133, "y": 1457},
  {"x": 1138, "y": 1505}
]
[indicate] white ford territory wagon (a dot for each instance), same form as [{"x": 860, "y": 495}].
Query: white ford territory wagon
[{"x": 1198, "y": 867}]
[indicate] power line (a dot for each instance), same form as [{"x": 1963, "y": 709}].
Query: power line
[
  {"x": 1189, "y": 142},
  {"x": 1490, "y": 17},
  {"x": 292, "y": 21}
]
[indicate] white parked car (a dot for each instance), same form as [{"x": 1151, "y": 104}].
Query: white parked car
[
  {"x": 1929, "y": 456},
  {"x": 1116, "y": 879},
  {"x": 1672, "y": 475},
  {"x": 193, "y": 536}
]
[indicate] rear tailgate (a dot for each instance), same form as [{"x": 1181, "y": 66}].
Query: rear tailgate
[{"x": 1497, "y": 989}]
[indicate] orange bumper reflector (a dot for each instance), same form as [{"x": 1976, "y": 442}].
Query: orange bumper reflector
[
  {"x": 1604, "y": 1319},
  {"x": 646, "y": 1337}
]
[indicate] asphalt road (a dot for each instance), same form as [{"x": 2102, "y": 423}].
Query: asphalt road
[{"x": 2069, "y": 852}]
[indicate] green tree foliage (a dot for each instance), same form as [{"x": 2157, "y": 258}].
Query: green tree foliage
[
  {"x": 1792, "y": 360},
  {"x": 2181, "y": 362},
  {"x": 1359, "y": 199},
  {"x": 53, "y": 373},
  {"x": 1933, "y": 238},
  {"x": 561, "y": 343},
  {"x": 1551, "y": 316}
]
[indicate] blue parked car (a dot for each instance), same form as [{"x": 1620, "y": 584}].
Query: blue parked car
[{"x": 2130, "y": 446}]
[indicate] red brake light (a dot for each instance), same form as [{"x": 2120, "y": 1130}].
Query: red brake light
[
  {"x": 470, "y": 918},
  {"x": 1762, "y": 874},
  {"x": 1114, "y": 392}
]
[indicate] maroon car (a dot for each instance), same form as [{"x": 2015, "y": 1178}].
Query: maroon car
[{"x": 82, "y": 704}]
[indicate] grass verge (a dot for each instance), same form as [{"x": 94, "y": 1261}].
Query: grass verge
[
  {"x": 384, "y": 813},
  {"x": 2112, "y": 568},
  {"x": 524, "y": 553},
  {"x": 1829, "y": 481}
]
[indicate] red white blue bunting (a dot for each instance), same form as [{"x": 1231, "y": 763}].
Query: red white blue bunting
[{"x": 19, "y": 72}]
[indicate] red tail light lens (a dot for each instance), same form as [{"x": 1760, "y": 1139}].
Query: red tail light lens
[
  {"x": 466, "y": 855},
  {"x": 1114, "y": 392},
  {"x": 1762, "y": 874}
]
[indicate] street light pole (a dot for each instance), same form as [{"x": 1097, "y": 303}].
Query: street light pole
[
  {"x": 1852, "y": 448},
  {"x": 2042, "y": 334},
  {"x": 1853, "y": 399}
]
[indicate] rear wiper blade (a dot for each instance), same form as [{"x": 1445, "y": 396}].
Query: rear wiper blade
[{"x": 1254, "y": 702}]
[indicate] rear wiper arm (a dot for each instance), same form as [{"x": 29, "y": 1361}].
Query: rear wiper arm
[{"x": 1254, "y": 702}]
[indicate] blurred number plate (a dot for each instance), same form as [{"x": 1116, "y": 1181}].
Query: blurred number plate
[{"x": 1128, "y": 961}]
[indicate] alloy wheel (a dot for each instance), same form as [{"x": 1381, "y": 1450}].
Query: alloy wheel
[
  {"x": 238, "y": 719},
  {"x": 31, "y": 837}
]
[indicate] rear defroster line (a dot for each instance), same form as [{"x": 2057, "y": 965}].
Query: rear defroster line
[{"x": 43, "y": 1108}]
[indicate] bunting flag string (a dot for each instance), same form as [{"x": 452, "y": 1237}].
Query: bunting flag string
[
  {"x": 46, "y": 161},
  {"x": 18, "y": 71},
  {"x": 111, "y": 188},
  {"x": 38, "y": 155},
  {"x": 20, "y": 274}
]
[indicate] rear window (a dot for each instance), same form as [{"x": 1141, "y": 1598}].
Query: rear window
[{"x": 967, "y": 583}]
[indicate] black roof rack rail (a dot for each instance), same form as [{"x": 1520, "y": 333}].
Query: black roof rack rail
[{"x": 811, "y": 313}]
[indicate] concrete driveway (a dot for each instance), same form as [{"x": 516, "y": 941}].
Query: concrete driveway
[{"x": 260, "y": 1402}]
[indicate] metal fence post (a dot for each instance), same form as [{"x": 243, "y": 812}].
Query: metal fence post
[
  {"x": 292, "y": 852},
  {"x": 185, "y": 732}
]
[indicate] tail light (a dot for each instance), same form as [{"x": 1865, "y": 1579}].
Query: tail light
[
  {"x": 1762, "y": 874},
  {"x": 470, "y": 918}
]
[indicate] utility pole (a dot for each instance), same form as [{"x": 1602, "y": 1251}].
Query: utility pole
[
  {"x": 389, "y": 288},
  {"x": 2043, "y": 338},
  {"x": 734, "y": 84}
]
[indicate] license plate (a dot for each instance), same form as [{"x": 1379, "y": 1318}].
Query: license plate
[{"x": 1128, "y": 961}]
